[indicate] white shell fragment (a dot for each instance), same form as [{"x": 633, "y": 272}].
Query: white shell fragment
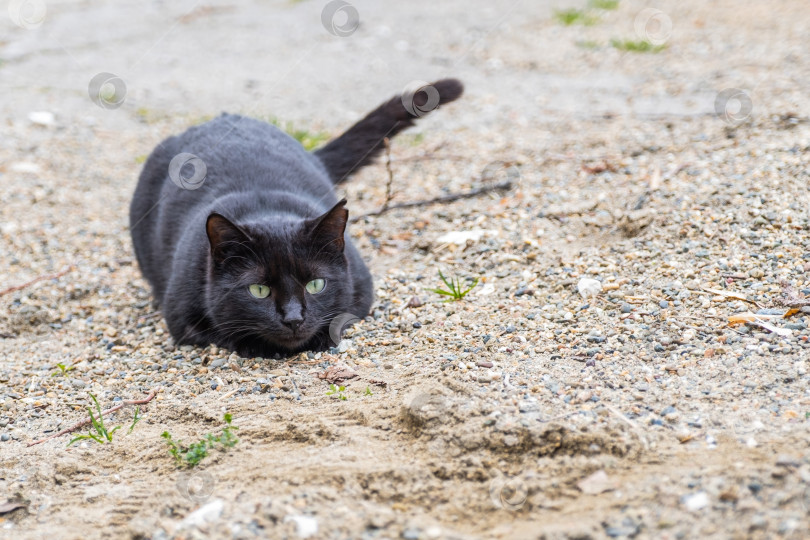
[
  {"x": 462, "y": 237},
  {"x": 41, "y": 118},
  {"x": 589, "y": 287}
]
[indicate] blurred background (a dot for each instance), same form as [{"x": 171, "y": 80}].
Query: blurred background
[{"x": 327, "y": 63}]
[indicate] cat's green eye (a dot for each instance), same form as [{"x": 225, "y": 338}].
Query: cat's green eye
[
  {"x": 315, "y": 286},
  {"x": 259, "y": 291}
]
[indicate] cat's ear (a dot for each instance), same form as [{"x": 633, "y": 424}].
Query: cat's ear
[
  {"x": 224, "y": 236},
  {"x": 327, "y": 230}
]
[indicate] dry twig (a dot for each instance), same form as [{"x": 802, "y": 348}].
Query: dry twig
[
  {"x": 502, "y": 186},
  {"x": 727, "y": 294},
  {"x": 429, "y": 157},
  {"x": 389, "y": 195},
  {"x": 36, "y": 280},
  {"x": 118, "y": 407}
]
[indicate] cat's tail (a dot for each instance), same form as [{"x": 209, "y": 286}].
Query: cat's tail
[{"x": 358, "y": 146}]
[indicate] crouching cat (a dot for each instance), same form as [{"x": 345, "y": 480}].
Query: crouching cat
[{"x": 238, "y": 230}]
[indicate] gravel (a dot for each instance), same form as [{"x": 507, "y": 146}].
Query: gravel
[{"x": 596, "y": 339}]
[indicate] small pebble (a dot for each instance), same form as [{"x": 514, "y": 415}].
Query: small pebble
[
  {"x": 758, "y": 522},
  {"x": 411, "y": 534},
  {"x": 217, "y": 363},
  {"x": 696, "y": 501},
  {"x": 667, "y": 411}
]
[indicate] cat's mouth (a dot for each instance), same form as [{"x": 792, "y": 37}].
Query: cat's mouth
[{"x": 290, "y": 341}]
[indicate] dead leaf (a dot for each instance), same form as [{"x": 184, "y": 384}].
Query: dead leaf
[
  {"x": 731, "y": 294},
  {"x": 599, "y": 167},
  {"x": 784, "y": 332},
  {"x": 748, "y": 317},
  {"x": 338, "y": 373},
  {"x": 685, "y": 437},
  {"x": 634, "y": 299},
  {"x": 729, "y": 495},
  {"x": 7, "y": 507}
]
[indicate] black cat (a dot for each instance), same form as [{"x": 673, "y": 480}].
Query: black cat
[{"x": 239, "y": 232}]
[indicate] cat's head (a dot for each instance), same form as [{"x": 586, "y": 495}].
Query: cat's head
[{"x": 279, "y": 283}]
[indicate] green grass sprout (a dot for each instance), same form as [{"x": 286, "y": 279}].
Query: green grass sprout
[
  {"x": 135, "y": 419},
  {"x": 638, "y": 46},
  {"x": 63, "y": 370},
  {"x": 337, "y": 391},
  {"x": 101, "y": 435},
  {"x": 454, "y": 284},
  {"x": 570, "y": 17},
  {"x": 194, "y": 453},
  {"x": 606, "y": 5}
]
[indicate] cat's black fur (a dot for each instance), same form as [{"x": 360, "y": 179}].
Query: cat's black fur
[{"x": 265, "y": 214}]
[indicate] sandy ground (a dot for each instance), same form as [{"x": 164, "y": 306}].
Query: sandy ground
[{"x": 677, "y": 179}]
